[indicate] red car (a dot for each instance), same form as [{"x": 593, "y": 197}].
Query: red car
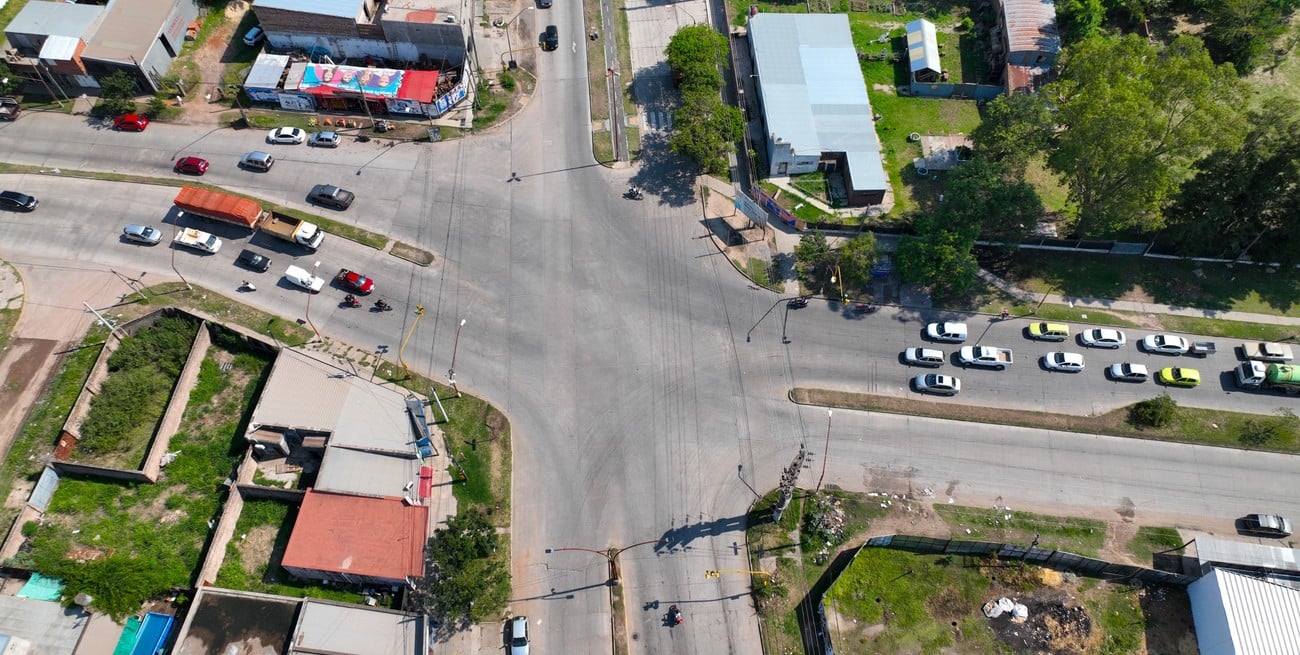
[
  {"x": 192, "y": 165},
  {"x": 354, "y": 281},
  {"x": 131, "y": 122}
]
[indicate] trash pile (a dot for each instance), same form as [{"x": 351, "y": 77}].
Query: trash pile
[{"x": 995, "y": 608}]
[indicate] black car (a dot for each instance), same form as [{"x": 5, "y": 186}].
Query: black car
[
  {"x": 254, "y": 260},
  {"x": 331, "y": 196},
  {"x": 550, "y": 38},
  {"x": 19, "y": 201}
]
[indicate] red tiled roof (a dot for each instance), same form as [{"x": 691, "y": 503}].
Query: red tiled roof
[{"x": 379, "y": 537}]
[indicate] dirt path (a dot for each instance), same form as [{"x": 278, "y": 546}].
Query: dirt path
[
  {"x": 53, "y": 318},
  {"x": 204, "y": 106}
]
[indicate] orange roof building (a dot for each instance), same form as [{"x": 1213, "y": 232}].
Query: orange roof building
[{"x": 357, "y": 539}]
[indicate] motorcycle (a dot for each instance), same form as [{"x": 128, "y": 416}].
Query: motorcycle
[
  {"x": 865, "y": 308},
  {"x": 633, "y": 193},
  {"x": 382, "y": 306},
  {"x": 351, "y": 301},
  {"x": 674, "y": 615},
  {"x": 247, "y": 286}
]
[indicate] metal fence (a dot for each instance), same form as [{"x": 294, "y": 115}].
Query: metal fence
[{"x": 1056, "y": 559}]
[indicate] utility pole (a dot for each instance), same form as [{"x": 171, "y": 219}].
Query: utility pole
[
  {"x": 825, "y": 451},
  {"x": 788, "y": 479}
]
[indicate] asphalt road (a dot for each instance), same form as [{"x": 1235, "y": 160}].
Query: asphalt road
[{"x": 644, "y": 378}]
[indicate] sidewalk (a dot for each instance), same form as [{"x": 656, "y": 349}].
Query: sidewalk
[{"x": 1138, "y": 307}]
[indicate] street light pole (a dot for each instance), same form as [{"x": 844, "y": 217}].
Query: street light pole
[
  {"x": 506, "y": 27},
  {"x": 175, "y": 230},
  {"x": 825, "y": 451},
  {"x": 610, "y": 555},
  {"x": 451, "y": 370},
  {"x": 311, "y": 293}
]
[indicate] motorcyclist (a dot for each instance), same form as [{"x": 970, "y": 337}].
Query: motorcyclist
[
  {"x": 381, "y": 304},
  {"x": 351, "y": 300},
  {"x": 248, "y": 286}
]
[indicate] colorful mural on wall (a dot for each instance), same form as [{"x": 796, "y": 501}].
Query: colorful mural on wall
[{"x": 379, "y": 82}]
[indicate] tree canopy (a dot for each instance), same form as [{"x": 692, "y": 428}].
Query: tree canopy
[
  {"x": 463, "y": 578},
  {"x": 1013, "y": 130},
  {"x": 705, "y": 128},
  {"x": 1246, "y": 201},
  {"x": 1135, "y": 118},
  {"x": 1243, "y": 31},
  {"x": 816, "y": 262}
]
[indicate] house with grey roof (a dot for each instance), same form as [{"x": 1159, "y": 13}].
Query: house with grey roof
[
  {"x": 816, "y": 114},
  {"x": 70, "y": 47},
  {"x": 418, "y": 33}
]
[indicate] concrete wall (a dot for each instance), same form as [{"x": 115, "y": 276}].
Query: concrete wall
[{"x": 171, "y": 419}]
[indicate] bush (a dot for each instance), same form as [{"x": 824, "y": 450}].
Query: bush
[
  {"x": 30, "y": 528},
  {"x": 1262, "y": 431},
  {"x": 507, "y": 81},
  {"x": 1155, "y": 413}
]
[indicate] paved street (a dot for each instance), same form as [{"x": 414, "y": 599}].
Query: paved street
[{"x": 644, "y": 378}]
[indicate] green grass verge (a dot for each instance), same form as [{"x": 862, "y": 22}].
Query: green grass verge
[
  {"x": 1079, "y": 536},
  {"x": 1150, "y": 540},
  {"x": 10, "y": 10},
  {"x": 1121, "y": 619},
  {"x": 278, "y": 329},
  {"x": 1190, "y": 425},
  {"x": 759, "y": 271},
  {"x": 602, "y": 146},
  {"x": 1182, "y": 283}
]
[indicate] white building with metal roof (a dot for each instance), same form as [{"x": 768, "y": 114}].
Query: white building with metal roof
[
  {"x": 923, "y": 51},
  {"x": 816, "y": 112},
  {"x": 1238, "y": 614}
]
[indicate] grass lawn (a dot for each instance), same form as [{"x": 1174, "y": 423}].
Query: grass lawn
[
  {"x": 1150, "y": 540},
  {"x": 1079, "y": 536},
  {"x": 1190, "y": 425},
  {"x": 1183, "y": 283}
]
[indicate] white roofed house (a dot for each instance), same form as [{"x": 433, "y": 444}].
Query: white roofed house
[{"x": 816, "y": 113}]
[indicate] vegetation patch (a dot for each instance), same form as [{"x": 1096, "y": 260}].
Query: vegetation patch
[
  {"x": 1079, "y": 536},
  {"x": 412, "y": 254},
  {"x": 131, "y": 400},
  {"x": 1189, "y": 425},
  {"x": 125, "y": 543},
  {"x": 1150, "y": 540}
]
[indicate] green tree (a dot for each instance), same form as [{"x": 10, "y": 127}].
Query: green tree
[
  {"x": 695, "y": 54},
  {"x": 1079, "y": 19},
  {"x": 464, "y": 577},
  {"x": 117, "y": 92},
  {"x": 813, "y": 258},
  {"x": 1260, "y": 431},
  {"x": 705, "y": 129},
  {"x": 1243, "y": 31},
  {"x": 13, "y": 82},
  {"x": 1014, "y": 129},
  {"x": 939, "y": 258},
  {"x": 855, "y": 259},
  {"x": 1247, "y": 201},
  {"x": 1135, "y": 119},
  {"x": 1154, "y": 412},
  {"x": 986, "y": 199}
]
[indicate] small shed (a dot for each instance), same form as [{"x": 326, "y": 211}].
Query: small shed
[
  {"x": 923, "y": 51},
  {"x": 264, "y": 80}
]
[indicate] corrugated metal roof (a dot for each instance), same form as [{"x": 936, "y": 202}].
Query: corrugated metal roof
[
  {"x": 325, "y": 627},
  {"x": 59, "y": 48},
  {"x": 267, "y": 71},
  {"x": 377, "y": 537},
  {"x": 1240, "y": 615},
  {"x": 1031, "y": 26},
  {"x": 337, "y": 8},
  {"x": 128, "y": 30},
  {"x": 923, "y": 46},
  {"x": 48, "y": 18},
  {"x": 308, "y": 394},
  {"x": 348, "y": 471},
  {"x": 814, "y": 97},
  {"x": 1222, "y": 551}
]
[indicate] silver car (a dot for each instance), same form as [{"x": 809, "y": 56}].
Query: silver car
[
  {"x": 943, "y": 385},
  {"x": 923, "y": 357},
  {"x": 326, "y": 139},
  {"x": 1167, "y": 344},
  {"x": 146, "y": 234}
]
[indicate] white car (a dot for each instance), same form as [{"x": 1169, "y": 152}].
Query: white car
[
  {"x": 146, "y": 234},
  {"x": 943, "y": 385},
  {"x": 1059, "y": 361},
  {"x": 291, "y": 136},
  {"x": 1127, "y": 372},
  {"x": 951, "y": 332},
  {"x": 304, "y": 279},
  {"x": 1167, "y": 344},
  {"x": 923, "y": 357},
  {"x": 1103, "y": 338}
]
